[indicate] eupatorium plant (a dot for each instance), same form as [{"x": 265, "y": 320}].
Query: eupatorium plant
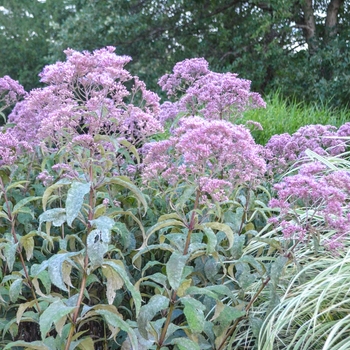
[
  {"x": 213, "y": 155},
  {"x": 200, "y": 91},
  {"x": 314, "y": 203},
  {"x": 87, "y": 94},
  {"x": 284, "y": 150}
]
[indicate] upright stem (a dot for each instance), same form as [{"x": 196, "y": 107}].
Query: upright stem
[
  {"x": 192, "y": 223},
  {"x": 191, "y": 226},
  {"x": 86, "y": 262},
  {"x": 14, "y": 235},
  {"x": 234, "y": 326}
]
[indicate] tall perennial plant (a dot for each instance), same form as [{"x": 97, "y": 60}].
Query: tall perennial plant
[{"x": 111, "y": 239}]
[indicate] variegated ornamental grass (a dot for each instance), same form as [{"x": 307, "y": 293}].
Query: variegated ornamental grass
[{"x": 130, "y": 224}]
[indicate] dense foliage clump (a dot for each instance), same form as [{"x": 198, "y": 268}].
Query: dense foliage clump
[{"x": 130, "y": 224}]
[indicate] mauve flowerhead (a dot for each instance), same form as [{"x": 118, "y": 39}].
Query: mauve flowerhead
[
  {"x": 285, "y": 150},
  {"x": 212, "y": 95},
  {"x": 201, "y": 149},
  {"x": 11, "y": 91},
  {"x": 317, "y": 199},
  {"x": 87, "y": 94}
]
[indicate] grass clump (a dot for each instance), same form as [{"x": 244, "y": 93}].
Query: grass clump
[{"x": 283, "y": 116}]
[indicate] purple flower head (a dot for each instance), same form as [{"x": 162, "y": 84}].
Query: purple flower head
[
  {"x": 10, "y": 91},
  {"x": 212, "y": 95},
  {"x": 86, "y": 95},
  {"x": 184, "y": 74},
  {"x": 214, "y": 154},
  {"x": 284, "y": 150},
  {"x": 317, "y": 199}
]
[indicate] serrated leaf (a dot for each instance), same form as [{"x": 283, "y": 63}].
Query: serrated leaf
[
  {"x": 96, "y": 247},
  {"x": 35, "y": 345},
  {"x": 148, "y": 311},
  {"x": 186, "y": 195},
  {"x": 75, "y": 199},
  {"x": 55, "y": 268},
  {"x": 194, "y": 314},
  {"x": 22, "y": 308},
  {"x": 52, "y": 314},
  {"x": 211, "y": 239},
  {"x": 122, "y": 273},
  {"x": 183, "y": 287},
  {"x": 9, "y": 251},
  {"x": 18, "y": 184},
  {"x": 86, "y": 344},
  {"x": 224, "y": 228},
  {"x": 164, "y": 217},
  {"x": 115, "y": 321},
  {"x": 15, "y": 289},
  {"x": 57, "y": 216},
  {"x": 174, "y": 269},
  {"x": 22, "y": 203},
  {"x": 185, "y": 344},
  {"x": 114, "y": 282},
  {"x": 167, "y": 223},
  {"x": 225, "y": 317},
  {"x": 125, "y": 182},
  {"x": 49, "y": 190},
  {"x": 4, "y": 215},
  {"x": 277, "y": 268},
  {"x": 27, "y": 242}
]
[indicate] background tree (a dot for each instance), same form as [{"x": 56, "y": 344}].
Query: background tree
[{"x": 297, "y": 46}]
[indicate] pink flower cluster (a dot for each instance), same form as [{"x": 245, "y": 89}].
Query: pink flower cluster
[
  {"x": 285, "y": 150},
  {"x": 213, "y": 95},
  {"x": 215, "y": 155},
  {"x": 87, "y": 94},
  {"x": 323, "y": 199},
  {"x": 10, "y": 91}
]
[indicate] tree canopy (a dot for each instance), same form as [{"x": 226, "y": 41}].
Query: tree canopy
[{"x": 299, "y": 47}]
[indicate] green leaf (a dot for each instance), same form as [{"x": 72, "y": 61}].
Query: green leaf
[
  {"x": 211, "y": 239},
  {"x": 96, "y": 247},
  {"x": 10, "y": 250},
  {"x": 225, "y": 317},
  {"x": 148, "y": 311},
  {"x": 224, "y": 228},
  {"x": 174, "y": 269},
  {"x": 85, "y": 344},
  {"x": 125, "y": 182},
  {"x": 49, "y": 190},
  {"x": 164, "y": 217},
  {"x": 4, "y": 215},
  {"x": 187, "y": 194},
  {"x": 57, "y": 216},
  {"x": 115, "y": 321},
  {"x": 53, "y": 314},
  {"x": 114, "y": 282},
  {"x": 103, "y": 223},
  {"x": 55, "y": 268},
  {"x": 35, "y": 345},
  {"x": 163, "y": 224},
  {"x": 277, "y": 268},
  {"x": 22, "y": 203},
  {"x": 185, "y": 344},
  {"x": 75, "y": 199},
  {"x": 17, "y": 184},
  {"x": 122, "y": 273},
  {"x": 27, "y": 242},
  {"x": 15, "y": 289},
  {"x": 193, "y": 311}
]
